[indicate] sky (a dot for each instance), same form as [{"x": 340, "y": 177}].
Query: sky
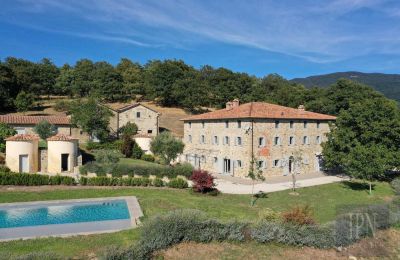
[{"x": 294, "y": 38}]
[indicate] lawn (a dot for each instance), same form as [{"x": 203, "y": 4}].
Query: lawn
[
  {"x": 323, "y": 199},
  {"x": 130, "y": 161}
]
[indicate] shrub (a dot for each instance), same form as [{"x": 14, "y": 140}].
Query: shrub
[
  {"x": 269, "y": 215},
  {"x": 299, "y": 215},
  {"x": 184, "y": 225},
  {"x": 107, "y": 156},
  {"x": 396, "y": 185},
  {"x": 184, "y": 169},
  {"x": 157, "y": 182},
  {"x": 4, "y": 168},
  {"x": 2, "y": 158},
  {"x": 137, "y": 152},
  {"x": 63, "y": 106},
  {"x": 127, "y": 146},
  {"x": 202, "y": 181},
  {"x": 178, "y": 183},
  {"x": 147, "y": 157}
]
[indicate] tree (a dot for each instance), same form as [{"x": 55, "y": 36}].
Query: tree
[
  {"x": 296, "y": 160},
  {"x": 107, "y": 83},
  {"x": 167, "y": 147},
  {"x": 365, "y": 140},
  {"x": 137, "y": 152},
  {"x": 91, "y": 118},
  {"x": 64, "y": 81},
  {"x": 47, "y": 74},
  {"x": 5, "y": 131},
  {"x": 132, "y": 75},
  {"x": 255, "y": 173},
  {"x": 82, "y": 78},
  {"x": 127, "y": 146},
  {"x": 129, "y": 129},
  {"x": 7, "y": 88},
  {"x": 44, "y": 129},
  {"x": 24, "y": 101}
]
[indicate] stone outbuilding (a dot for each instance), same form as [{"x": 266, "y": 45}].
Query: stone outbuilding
[
  {"x": 22, "y": 153},
  {"x": 62, "y": 153}
]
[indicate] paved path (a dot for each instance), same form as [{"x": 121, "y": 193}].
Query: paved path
[{"x": 234, "y": 186}]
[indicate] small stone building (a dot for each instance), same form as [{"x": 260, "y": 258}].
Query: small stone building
[
  {"x": 146, "y": 119},
  {"x": 62, "y": 153},
  {"x": 281, "y": 139},
  {"x": 22, "y": 153}
]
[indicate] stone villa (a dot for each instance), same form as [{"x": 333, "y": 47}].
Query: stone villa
[{"x": 223, "y": 141}]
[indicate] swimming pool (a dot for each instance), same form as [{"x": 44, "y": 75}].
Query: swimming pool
[
  {"x": 67, "y": 217},
  {"x": 62, "y": 214}
]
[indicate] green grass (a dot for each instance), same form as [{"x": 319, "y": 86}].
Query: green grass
[
  {"x": 323, "y": 199},
  {"x": 130, "y": 161}
]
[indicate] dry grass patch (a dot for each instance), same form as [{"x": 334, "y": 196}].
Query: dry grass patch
[{"x": 386, "y": 245}]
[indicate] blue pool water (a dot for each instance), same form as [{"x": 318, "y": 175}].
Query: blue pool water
[{"x": 65, "y": 213}]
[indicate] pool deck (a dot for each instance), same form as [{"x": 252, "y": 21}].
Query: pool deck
[{"x": 71, "y": 229}]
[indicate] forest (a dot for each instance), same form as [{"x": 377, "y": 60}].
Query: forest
[{"x": 170, "y": 83}]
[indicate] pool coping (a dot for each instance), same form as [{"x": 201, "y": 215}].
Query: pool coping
[{"x": 134, "y": 209}]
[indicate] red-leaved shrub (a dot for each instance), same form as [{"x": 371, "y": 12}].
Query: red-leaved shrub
[{"x": 202, "y": 181}]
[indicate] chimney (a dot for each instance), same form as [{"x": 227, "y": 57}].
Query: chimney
[
  {"x": 301, "y": 108},
  {"x": 229, "y": 105},
  {"x": 235, "y": 103}
]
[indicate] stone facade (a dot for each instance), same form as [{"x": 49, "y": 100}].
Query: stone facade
[
  {"x": 61, "y": 129},
  {"x": 146, "y": 119},
  {"x": 280, "y": 146}
]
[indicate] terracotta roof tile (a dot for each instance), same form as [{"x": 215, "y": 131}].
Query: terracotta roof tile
[
  {"x": 61, "y": 137},
  {"x": 23, "y": 137},
  {"x": 33, "y": 120},
  {"x": 260, "y": 110}
]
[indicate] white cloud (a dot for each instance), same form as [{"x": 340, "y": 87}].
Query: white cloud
[{"x": 317, "y": 31}]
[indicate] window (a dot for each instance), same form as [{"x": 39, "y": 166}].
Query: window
[
  {"x": 318, "y": 140},
  {"x": 215, "y": 139},
  {"x": 318, "y": 124},
  {"x": 190, "y": 124},
  {"x": 189, "y": 138},
  {"x": 277, "y": 140},
  {"x": 20, "y": 130},
  {"x": 291, "y": 140},
  {"x": 261, "y": 142},
  {"x": 239, "y": 124},
  {"x": 238, "y": 140},
  {"x": 291, "y": 124},
  {"x": 202, "y": 139},
  {"x": 203, "y": 158},
  {"x": 239, "y": 163},
  {"x": 202, "y": 124},
  {"x": 149, "y": 131},
  {"x": 215, "y": 160},
  {"x": 305, "y": 124},
  {"x": 226, "y": 140},
  {"x": 305, "y": 140},
  {"x": 277, "y": 124},
  {"x": 226, "y": 124},
  {"x": 137, "y": 114},
  {"x": 305, "y": 160},
  {"x": 261, "y": 164},
  {"x": 276, "y": 163}
]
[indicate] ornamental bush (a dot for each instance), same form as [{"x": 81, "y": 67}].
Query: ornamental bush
[
  {"x": 147, "y": 157},
  {"x": 299, "y": 215},
  {"x": 178, "y": 183},
  {"x": 202, "y": 181},
  {"x": 157, "y": 182}
]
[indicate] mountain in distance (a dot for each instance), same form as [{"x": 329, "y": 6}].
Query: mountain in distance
[{"x": 387, "y": 84}]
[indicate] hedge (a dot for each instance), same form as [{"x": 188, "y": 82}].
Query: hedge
[
  {"x": 26, "y": 179},
  {"x": 130, "y": 181},
  {"x": 119, "y": 170}
]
